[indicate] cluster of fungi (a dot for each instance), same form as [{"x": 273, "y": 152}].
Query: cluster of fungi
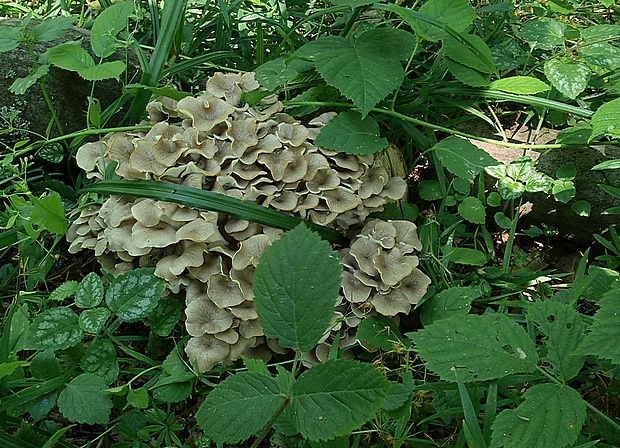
[{"x": 259, "y": 154}]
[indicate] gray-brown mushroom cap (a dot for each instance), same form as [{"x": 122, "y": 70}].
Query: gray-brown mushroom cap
[
  {"x": 203, "y": 316},
  {"x": 224, "y": 291},
  {"x": 207, "y": 351},
  {"x": 250, "y": 251},
  {"x": 204, "y": 111},
  {"x": 393, "y": 265},
  {"x": 147, "y": 212}
]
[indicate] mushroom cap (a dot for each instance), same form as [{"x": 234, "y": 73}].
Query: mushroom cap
[
  {"x": 414, "y": 286},
  {"x": 188, "y": 254},
  {"x": 341, "y": 199},
  {"x": 243, "y": 135},
  {"x": 93, "y": 156},
  {"x": 391, "y": 303},
  {"x": 204, "y": 111},
  {"x": 250, "y": 251},
  {"x": 323, "y": 180},
  {"x": 200, "y": 230},
  {"x": 250, "y": 328},
  {"x": 393, "y": 265},
  {"x": 245, "y": 311},
  {"x": 229, "y": 336},
  {"x": 382, "y": 232},
  {"x": 354, "y": 290},
  {"x": 292, "y": 134},
  {"x": 147, "y": 212},
  {"x": 206, "y": 351},
  {"x": 203, "y": 316},
  {"x": 407, "y": 236},
  {"x": 365, "y": 251},
  {"x": 160, "y": 235},
  {"x": 224, "y": 291},
  {"x": 226, "y": 85}
]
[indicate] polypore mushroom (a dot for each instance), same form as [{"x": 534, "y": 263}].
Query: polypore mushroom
[
  {"x": 224, "y": 291},
  {"x": 206, "y": 351},
  {"x": 203, "y": 316}
]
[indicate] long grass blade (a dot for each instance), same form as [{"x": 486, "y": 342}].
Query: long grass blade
[{"x": 474, "y": 433}]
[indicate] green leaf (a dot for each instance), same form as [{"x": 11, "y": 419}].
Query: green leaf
[
  {"x": 551, "y": 415},
  {"x": 567, "y": 171},
  {"x": 39, "y": 407},
  {"x": 107, "y": 25},
  {"x": 336, "y": 397},
  {"x": 448, "y": 303},
  {"x": 610, "y": 189},
  {"x": 570, "y": 78},
  {"x": 462, "y": 158},
  {"x": 602, "y": 340},
  {"x": 64, "y": 291},
  {"x": 563, "y": 190},
  {"x": 494, "y": 199},
  {"x": 349, "y": 133},
  {"x": 274, "y": 73},
  {"x": 430, "y": 190},
  {"x": 581, "y": 208},
  {"x": 52, "y": 152},
  {"x": 457, "y": 14},
  {"x": 7, "y": 368},
  {"x": 100, "y": 358},
  {"x": 106, "y": 70},
  {"x": 478, "y": 348},
  {"x": 90, "y": 292},
  {"x": 369, "y": 69},
  {"x": 20, "y": 85},
  {"x": 163, "y": 318},
  {"x": 352, "y": 3},
  {"x": 520, "y": 85},
  {"x": 93, "y": 320},
  {"x": 502, "y": 220},
  {"x": 606, "y": 120},
  {"x": 468, "y": 75},
  {"x": 467, "y": 52},
  {"x": 603, "y": 55},
  {"x": 473, "y": 210},
  {"x": 174, "y": 388},
  {"x": 56, "y": 328},
  {"x": 564, "y": 329},
  {"x": 138, "y": 398},
  {"x": 134, "y": 294},
  {"x": 52, "y": 28},
  {"x": 239, "y": 407},
  {"x": 45, "y": 365},
  {"x": 465, "y": 255},
  {"x": 71, "y": 57},
  {"x": 82, "y": 400},
  {"x": 543, "y": 33},
  {"x": 381, "y": 332},
  {"x": 579, "y": 134},
  {"x": 296, "y": 284},
  {"x": 608, "y": 165},
  {"x": 9, "y": 37},
  {"x": 49, "y": 213},
  {"x": 600, "y": 32}
]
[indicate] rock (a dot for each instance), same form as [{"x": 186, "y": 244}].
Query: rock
[{"x": 67, "y": 90}]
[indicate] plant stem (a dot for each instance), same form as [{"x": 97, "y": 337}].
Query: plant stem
[{"x": 271, "y": 422}]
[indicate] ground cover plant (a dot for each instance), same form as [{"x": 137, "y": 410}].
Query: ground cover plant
[{"x": 328, "y": 345}]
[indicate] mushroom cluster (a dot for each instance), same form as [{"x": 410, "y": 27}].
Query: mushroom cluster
[{"x": 254, "y": 153}]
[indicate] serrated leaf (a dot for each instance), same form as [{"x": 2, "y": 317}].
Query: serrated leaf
[
  {"x": 56, "y": 328},
  {"x": 93, "y": 320},
  {"x": 470, "y": 257},
  {"x": 49, "y": 213},
  {"x": 551, "y": 415},
  {"x": 478, "y": 348},
  {"x": 602, "y": 340},
  {"x": 45, "y": 365},
  {"x": 476, "y": 55},
  {"x": 134, "y": 294},
  {"x": 336, "y": 397},
  {"x": 90, "y": 291},
  {"x": 447, "y": 303},
  {"x": 520, "y": 85},
  {"x": 42, "y": 405},
  {"x": 52, "y": 152},
  {"x": 457, "y": 14},
  {"x": 603, "y": 55},
  {"x": 52, "y": 28},
  {"x": 239, "y": 407},
  {"x": 369, "y": 69},
  {"x": 349, "y": 132},
  {"x": 570, "y": 78},
  {"x": 106, "y": 70},
  {"x": 64, "y": 291},
  {"x": 100, "y": 358},
  {"x": 107, "y": 25},
  {"x": 606, "y": 120},
  {"x": 9, "y": 36},
  {"x": 544, "y": 34},
  {"x": 71, "y": 57},
  {"x": 473, "y": 210},
  {"x": 468, "y": 75},
  {"x": 296, "y": 284},
  {"x": 82, "y": 400},
  {"x": 274, "y": 73},
  {"x": 462, "y": 158},
  {"x": 381, "y": 332},
  {"x": 564, "y": 329},
  {"x": 21, "y": 85},
  {"x": 163, "y": 318}
]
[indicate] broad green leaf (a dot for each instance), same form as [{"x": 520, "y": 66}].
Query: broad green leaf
[
  {"x": 581, "y": 208},
  {"x": 468, "y": 75},
  {"x": 567, "y": 171},
  {"x": 457, "y": 14},
  {"x": 551, "y": 415},
  {"x": 295, "y": 287},
  {"x": 52, "y": 152},
  {"x": 71, "y": 57},
  {"x": 369, "y": 69},
  {"x": 336, "y": 397},
  {"x": 473, "y": 210},
  {"x": 100, "y": 358},
  {"x": 41, "y": 406},
  {"x": 239, "y": 407},
  {"x": 564, "y": 329},
  {"x": 447, "y": 303},
  {"x": 507, "y": 55},
  {"x": 174, "y": 388},
  {"x": 520, "y": 85},
  {"x": 381, "y": 332},
  {"x": 90, "y": 292},
  {"x": 608, "y": 165},
  {"x": 598, "y": 33},
  {"x": 462, "y": 158},
  {"x": 603, "y": 55},
  {"x": 470, "y": 257},
  {"x": 602, "y": 340},
  {"x": 303, "y": 58},
  {"x": 543, "y": 33},
  {"x": 465, "y": 55},
  {"x": 579, "y": 134},
  {"x": 274, "y": 73},
  {"x": 163, "y": 318},
  {"x": 93, "y": 320},
  {"x": 56, "y": 328},
  {"x": 64, "y": 291},
  {"x": 52, "y": 28},
  {"x": 430, "y": 190},
  {"x": 7, "y": 368},
  {"x": 107, "y": 70},
  {"x": 350, "y": 133},
  {"x": 494, "y": 199},
  {"x": 563, "y": 190},
  {"x": 9, "y": 36},
  {"x": 606, "y": 120},
  {"x": 502, "y": 220},
  {"x": 49, "y": 213},
  {"x": 45, "y": 365},
  {"x": 20, "y": 85},
  {"x": 478, "y": 348},
  {"x": 83, "y": 401},
  {"x": 398, "y": 400},
  {"x": 352, "y": 3},
  {"x": 570, "y": 78},
  {"x": 138, "y": 398},
  {"x": 134, "y": 294},
  {"x": 107, "y": 25}
]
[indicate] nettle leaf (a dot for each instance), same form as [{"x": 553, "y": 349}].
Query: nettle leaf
[
  {"x": 477, "y": 348},
  {"x": 606, "y": 120},
  {"x": 107, "y": 70},
  {"x": 603, "y": 55},
  {"x": 369, "y": 69},
  {"x": 551, "y": 415},
  {"x": 90, "y": 291},
  {"x": 457, "y": 14},
  {"x": 564, "y": 329},
  {"x": 473, "y": 210},
  {"x": 107, "y": 25},
  {"x": 64, "y": 291},
  {"x": 447, "y": 303},
  {"x": 93, "y": 320},
  {"x": 100, "y": 358},
  {"x": 52, "y": 28},
  {"x": 520, "y": 85},
  {"x": 544, "y": 34},
  {"x": 239, "y": 407},
  {"x": 9, "y": 37},
  {"x": 570, "y": 78},
  {"x": 602, "y": 340},
  {"x": 462, "y": 158},
  {"x": 134, "y": 294},
  {"x": 49, "y": 213},
  {"x": 163, "y": 319},
  {"x": 71, "y": 57},
  {"x": 350, "y": 133},
  {"x": 335, "y": 397},
  {"x": 21, "y": 85},
  {"x": 56, "y": 328},
  {"x": 296, "y": 284},
  {"x": 83, "y": 401}
]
